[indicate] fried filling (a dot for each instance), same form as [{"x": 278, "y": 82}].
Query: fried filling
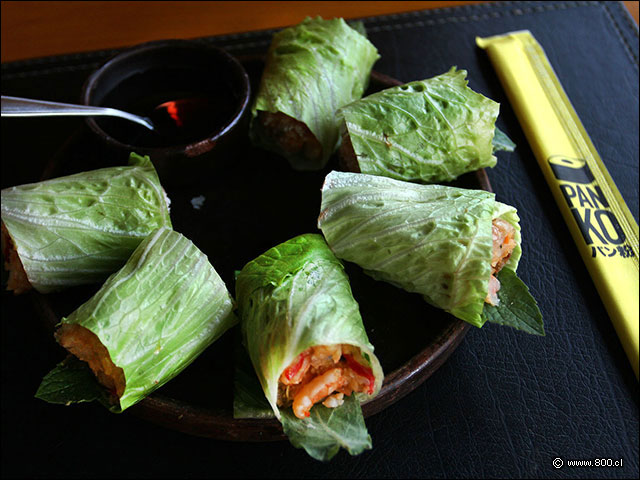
[
  {"x": 324, "y": 373},
  {"x": 289, "y": 135},
  {"x": 85, "y": 345},
  {"x": 18, "y": 281},
  {"x": 503, "y": 244}
]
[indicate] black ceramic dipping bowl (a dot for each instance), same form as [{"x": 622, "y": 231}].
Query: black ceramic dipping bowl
[{"x": 145, "y": 76}]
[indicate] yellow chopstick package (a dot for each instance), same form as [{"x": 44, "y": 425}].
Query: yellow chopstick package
[{"x": 601, "y": 224}]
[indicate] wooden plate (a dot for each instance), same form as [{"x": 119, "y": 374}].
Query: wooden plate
[{"x": 252, "y": 202}]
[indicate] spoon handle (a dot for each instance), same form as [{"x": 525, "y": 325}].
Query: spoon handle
[{"x": 26, "y": 107}]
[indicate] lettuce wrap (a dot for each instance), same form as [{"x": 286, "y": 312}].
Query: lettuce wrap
[
  {"x": 311, "y": 70},
  {"x": 147, "y": 323},
  {"x": 81, "y": 228},
  {"x": 438, "y": 241},
  {"x": 425, "y": 131},
  {"x": 302, "y": 328}
]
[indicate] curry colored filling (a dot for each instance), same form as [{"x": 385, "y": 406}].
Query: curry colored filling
[
  {"x": 324, "y": 373},
  {"x": 85, "y": 345},
  {"x": 503, "y": 244},
  {"x": 18, "y": 281}
]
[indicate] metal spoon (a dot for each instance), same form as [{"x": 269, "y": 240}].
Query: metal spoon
[{"x": 25, "y": 107}]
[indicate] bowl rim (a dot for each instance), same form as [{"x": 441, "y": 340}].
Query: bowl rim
[{"x": 190, "y": 149}]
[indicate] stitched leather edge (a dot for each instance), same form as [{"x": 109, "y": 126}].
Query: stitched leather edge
[{"x": 618, "y": 28}]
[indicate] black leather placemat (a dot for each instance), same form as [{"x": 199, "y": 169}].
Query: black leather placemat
[{"x": 505, "y": 404}]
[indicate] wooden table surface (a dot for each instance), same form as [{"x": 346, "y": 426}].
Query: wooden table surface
[{"x": 36, "y": 29}]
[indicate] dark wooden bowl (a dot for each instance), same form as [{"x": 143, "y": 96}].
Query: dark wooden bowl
[{"x": 252, "y": 201}]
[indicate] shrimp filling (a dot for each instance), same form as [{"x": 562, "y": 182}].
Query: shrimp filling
[
  {"x": 324, "y": 373},
  {"x": 503, "y": 244}
]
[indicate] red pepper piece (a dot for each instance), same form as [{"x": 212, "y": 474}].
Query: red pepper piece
[
  {"x": 361, "y": 371},
  {"x": 292, "y": 370}
]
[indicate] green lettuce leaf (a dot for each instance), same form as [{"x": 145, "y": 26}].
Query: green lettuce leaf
[
  {"x": 328, "y": 429},
  {"x": 312, "y": 69},
  {"x": 295, "y": 296},
  {"x": 157, "y": 313},
  {"x": 429, "y": 239},
  {"x": 81, "y": 228},
  {"x": 517, "y": 308},
  {"x": 425, "y": 131},
  {"x": 71, "y": 381},
  {"x": 502, "y": 142}
]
